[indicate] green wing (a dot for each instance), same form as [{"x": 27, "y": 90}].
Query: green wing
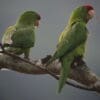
[
  {"x": 23, "y": 38},
  {"x": 7, "y": 35},
  {"x": 71, "y": 39}
]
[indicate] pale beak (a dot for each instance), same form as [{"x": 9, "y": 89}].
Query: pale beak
[{"x": 91, "y": 13}]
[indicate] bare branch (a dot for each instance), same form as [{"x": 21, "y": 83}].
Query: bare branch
[{"x": 82, "y": 74}]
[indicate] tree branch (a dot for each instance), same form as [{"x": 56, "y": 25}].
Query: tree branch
[{"x": 81, "y": 74}]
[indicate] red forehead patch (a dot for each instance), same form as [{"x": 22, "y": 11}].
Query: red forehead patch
[{"x": 88, "y": 7}]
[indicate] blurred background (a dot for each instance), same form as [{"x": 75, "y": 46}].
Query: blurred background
[{"x": 55, "y": 15}]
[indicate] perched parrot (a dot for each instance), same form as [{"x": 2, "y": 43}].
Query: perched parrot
[
  {"x": 72, "y": 41},
  {"x": 20, "y": 37}
]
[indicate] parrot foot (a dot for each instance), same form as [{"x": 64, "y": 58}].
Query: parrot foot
[
  {"x": 46, "y": 59},
  {"x": 4, "y": 45},
  {"x": 26, "y": 58},
  {"x": 78, "y": 61}
]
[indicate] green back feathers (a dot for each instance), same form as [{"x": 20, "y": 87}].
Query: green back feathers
[
  {"x": 28, "y": 18},
  {"x": 79, "y": 14}
]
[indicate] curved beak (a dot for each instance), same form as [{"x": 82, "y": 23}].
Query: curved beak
[{"x": 91, "y": 13}]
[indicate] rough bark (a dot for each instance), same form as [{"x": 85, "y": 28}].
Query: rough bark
[{"x": 81, "y": 73}]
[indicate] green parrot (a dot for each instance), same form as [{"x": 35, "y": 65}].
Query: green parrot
[
  {"x": 20, "y": 38},
  {"x": 72, "y": 41}
]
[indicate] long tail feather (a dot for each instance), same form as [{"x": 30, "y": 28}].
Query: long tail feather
[{"x": 65, "y": 70}]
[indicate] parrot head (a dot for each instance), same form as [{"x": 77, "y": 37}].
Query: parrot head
[
  {"x": 83, "y": 13},
  {"x": 29, "y": 18}
]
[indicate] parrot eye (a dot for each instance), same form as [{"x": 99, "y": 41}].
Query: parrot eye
[
  {"x": 90, "y": 10},
  {"x": 39, "y": 17}
]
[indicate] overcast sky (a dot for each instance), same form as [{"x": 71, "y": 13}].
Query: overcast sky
[{"x": 55, "y": 15}]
